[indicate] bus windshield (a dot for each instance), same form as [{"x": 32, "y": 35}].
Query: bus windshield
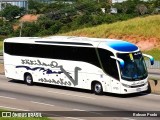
[{"x": 134, "y": 67}]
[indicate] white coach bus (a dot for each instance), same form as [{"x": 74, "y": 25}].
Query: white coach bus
[{"x": 101, "y": 65}]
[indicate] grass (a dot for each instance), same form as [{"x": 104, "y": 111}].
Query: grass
[
  {"x": 154, "y": 52},
  {"x": 1, "y": 47},
  {"x": 137, "y": 28},
  {"x": 141, "y": 26},
  {"x": 21, "y": 118}
]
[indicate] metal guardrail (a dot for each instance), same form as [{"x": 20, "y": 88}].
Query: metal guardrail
[
  {"x": 155, "y": 66},
  {"x": 1, "y": 59}
]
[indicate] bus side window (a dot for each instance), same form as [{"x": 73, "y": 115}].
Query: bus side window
[{"x": 108, "y": 64}]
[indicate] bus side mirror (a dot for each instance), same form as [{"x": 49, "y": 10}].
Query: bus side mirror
[
  {"x": 150, "y": 57},
  {"x": 120, "y": 61}
]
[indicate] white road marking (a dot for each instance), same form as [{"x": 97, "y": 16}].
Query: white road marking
[
  {"x": 6, "y": 107},
  {"x": 65, "y": 117},
  {"x": 79, "y": 110},
  {"x": 150, "y": 94},
  {"x": 42, "y": 103},
  {"x": 129, "y": 119},
  {"x": 7, "y": 97},
  {"x": 72, "y": 95},
  {"x": 74, "y": 118},
  {"x": 87, "y": 111},
  {"x": 155, "y": 95}
]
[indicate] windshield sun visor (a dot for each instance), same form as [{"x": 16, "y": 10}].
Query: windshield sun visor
[{"x": 120, "y": 61}]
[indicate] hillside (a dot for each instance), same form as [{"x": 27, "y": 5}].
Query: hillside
[{"x": 142, "y": 31}]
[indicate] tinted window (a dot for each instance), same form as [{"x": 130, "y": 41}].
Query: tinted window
[
  {"x": 109, "y": 64},
  {"x": 51, "y": 51}
]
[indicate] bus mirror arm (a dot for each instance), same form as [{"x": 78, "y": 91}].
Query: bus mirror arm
[
  {"x": 120, "y": 61},
  {"x": 150, "y": 57}
]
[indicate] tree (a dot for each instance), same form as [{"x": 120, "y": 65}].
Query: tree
[
  {"x": 6, "y": 29},
  {"x": 29, "y": 29},
  {"x": 141, "y": 9},
  {"x": 131, "y": 7},
  {"x": 87, "y": 7},
  {"x": 156, "y": 3},
  {"x": 1, "y": 22},
  {"x": 10, "y": 12},
  {"x": 35, "y": 6}
]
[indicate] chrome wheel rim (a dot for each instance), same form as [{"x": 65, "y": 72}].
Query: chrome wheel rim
[
  {"x": 28, "y": 79},
  {"x": 98, "y": 88}
]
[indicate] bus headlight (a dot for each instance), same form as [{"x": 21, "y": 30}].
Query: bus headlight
[
  {"x": 146, "y": 83},
  {"x": 125, "y": 85}
]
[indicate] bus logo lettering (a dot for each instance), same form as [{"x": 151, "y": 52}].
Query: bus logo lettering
[
  {"x": 53, "y": 64},
  {"x": 75, "y": 80}
]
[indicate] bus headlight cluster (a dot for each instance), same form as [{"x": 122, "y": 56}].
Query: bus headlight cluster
[
  {"x": 146, "y": 83},
  {"x": 125, "y": 85}
]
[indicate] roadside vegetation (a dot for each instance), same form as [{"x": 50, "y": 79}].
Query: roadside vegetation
[
  {"x": 154, "y": 52},
  {"x": 61, "y": 17},
  {"x": 1, "y": 47},
  {"x": 134, "y": 19},
  {"x": 134, "y": 30},
  {"x": 140, "y": 26}
]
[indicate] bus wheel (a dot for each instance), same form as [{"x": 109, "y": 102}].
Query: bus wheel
[
  {"x": 98, "y": 88},
  {"x": 28, "y": 79}
]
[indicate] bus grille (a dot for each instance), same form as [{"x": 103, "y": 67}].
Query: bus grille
[{"x": 137, "y": 86}]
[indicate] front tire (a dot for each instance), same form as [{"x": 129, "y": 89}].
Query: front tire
[
  {"x": 28, "y": 79},
  {"x": 97, "y": 88}
]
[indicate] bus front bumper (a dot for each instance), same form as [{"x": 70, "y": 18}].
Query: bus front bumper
[{"x": 128, "y": 90}]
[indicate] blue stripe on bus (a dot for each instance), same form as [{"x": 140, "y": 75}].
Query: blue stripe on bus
[
  {"x": 122, "y": 46},
  {"x": 46, "y": 71}
]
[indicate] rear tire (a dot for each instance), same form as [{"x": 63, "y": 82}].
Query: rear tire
[
  {"x": 28, "y": 79},
  {"x": 97, "y": 88}
]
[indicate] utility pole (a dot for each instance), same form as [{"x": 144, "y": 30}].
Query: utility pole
[
  {"x": 20, "y": 32},
  {"x": 1, "y": 5}
]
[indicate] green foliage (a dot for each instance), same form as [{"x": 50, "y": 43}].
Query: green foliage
[
  {"x": 156, "y": 3},
  {"x": 55, "y": 28},
  {"x": 10, "y": 12},
  {"x": 87, "y": 7},
  {"x": 28, "y": 29},
  {"x": 34, "y": 6},
  {"x": 60, "y": 17},
  {"x": 138, "y": 7},
  {"x": 154, "y": 53},
  {"x": 147, "y": 27},
  {"x": 44, "y": 22},
  {"x": 1, "y": 22},
  {"x": 5, "y": 28}
]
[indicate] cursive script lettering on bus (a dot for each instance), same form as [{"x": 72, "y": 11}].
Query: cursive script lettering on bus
[
  {"x": 58, "y": 82},
  {"x": 53, "y": 64}
]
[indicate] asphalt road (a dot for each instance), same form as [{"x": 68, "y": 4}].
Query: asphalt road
[
  {"x": 82, "y": 105},
  {"x": 154, "y": 73}
]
